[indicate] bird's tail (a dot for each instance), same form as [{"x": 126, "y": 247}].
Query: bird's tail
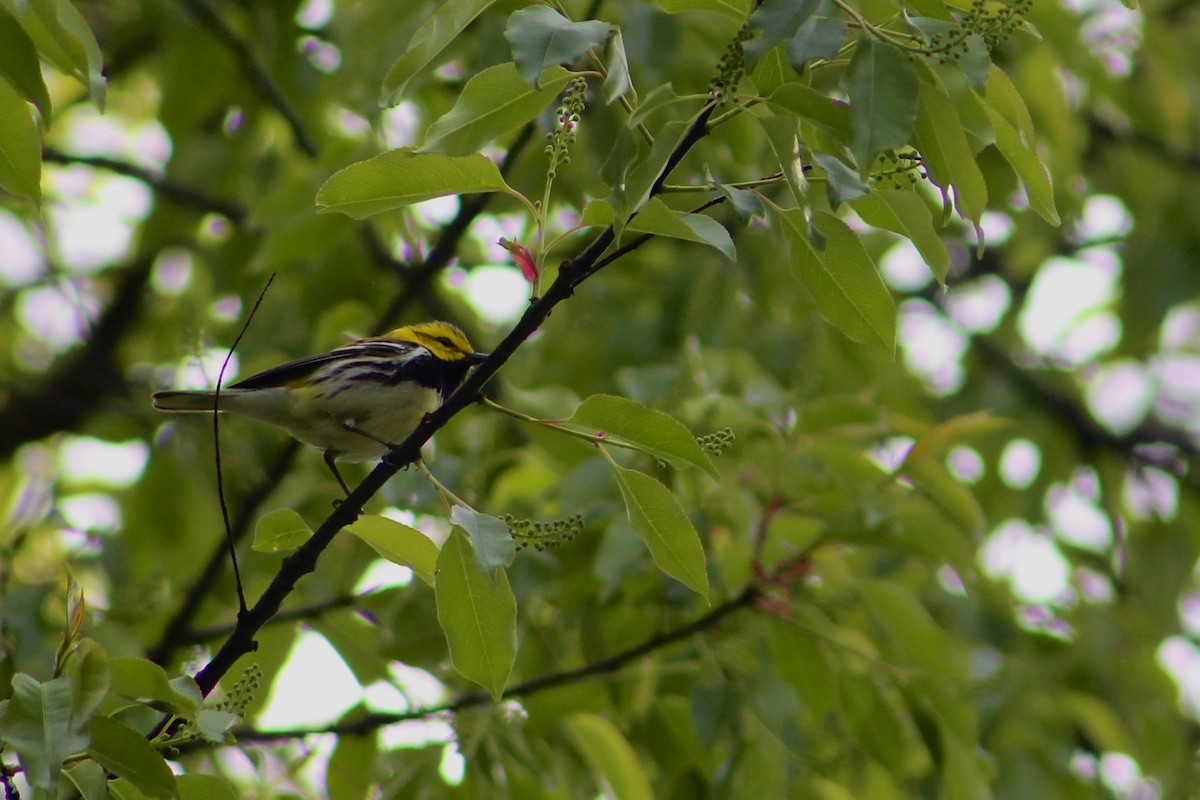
[{"x": 192, "y": 400}]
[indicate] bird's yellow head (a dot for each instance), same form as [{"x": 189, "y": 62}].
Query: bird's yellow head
[{"x": 445, "y": 341}]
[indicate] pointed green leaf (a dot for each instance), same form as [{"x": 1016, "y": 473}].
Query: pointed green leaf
[
  {"x": 140, "y": 679},
  {"x": 948, "y": 493},
  {"x": 1002, "y": 95},
  {"x": 657, "y": 516},
  {"x": 819, "y": 37},
  {"x": 655, "y": 217},
  {"x": 832, "y": 116},
  {"x": 443, "y": 26},
  {"x": 882, "y": 86},
  {"x": 398, "y": 543},
  {"x": 20, "y": 146},
  {"x": 280, "y": 530},
  {"x": 125, "y": 753},
  {"x": 40, "y": 723},
  {"x": 617, "y": 82},
  {"x": 842, "y": 184},
  {"x": 491, "y": 541},
  {"x": 89, "y": 779},
  {"x": 63, "y": 38},
  {"x": 609, "y": 754},
  {"x": 216, "y": 726},
  {"x": 19, "y": 63},
  {"x": 477, "y": 614},
  {"x": 911, "y": 637},
  {"x": 848, "y": 289},
  {"x": 903, "y": 211},
  {"x": 785, "y": 144},
  {"x": 940, "y": 137},
  {"x": 642, "y": 177},
  {"x": 873, "y": 722},
  {"x": 491, "y": 104},
  {"x": 649, "y": 430},
  {"x": 400, "y": 178},
  {"x": 541, "y": 37},
  {"x": 1027, "y": 165}
]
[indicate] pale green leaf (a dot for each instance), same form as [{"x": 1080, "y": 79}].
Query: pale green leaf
[
  {"x": 541, "y": 37},
  {"x": 89, "y": 779},
  {"x": 125, "y": 753},
  {"x": 617, "y": 82},
  {"x": 648, "y": 429},
  {"x": 849, "y": 291},
  {"x": 657, "y": 218},
  {"x": 1027, "y": 165},
  {"x": 609, "y": 754},
  {"x": 280, "y": 530},
  {"x": 940, "y": 137},
  {"x": 217, "y": 726},
  {"x": 491, "y": 104},
  {"x": 143, "y": 680},
  {"x": 491, "y": 541},
  {"x": 656, "y": 514},
  {"x": 785, "y": 144},
  {"x": 442, "y": 27},
  {"x": 20, "y": 146},
  {"x": 842, "y": 184},
  {"x": 39, "y": 722},
  {"x": 194, "y": 786},
  {"x": 478, "y": 615},
  {"x": 911, "y": 636},
  {"x": 63, "y": 38},
  {"x": 811, "y": 106},
  {"x": 903, "y": 211},
  {"x": 398, "y": 543},
  {"x": 882, "y": 86},
  {"x": 399, "y": 178},
  {"x": 1003, "y": 96}
]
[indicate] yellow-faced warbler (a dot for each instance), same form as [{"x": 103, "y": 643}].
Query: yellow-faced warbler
[{"x": 354, "y": 402}]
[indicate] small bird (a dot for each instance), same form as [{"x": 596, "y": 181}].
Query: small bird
[{"x": 354, "y": 402}]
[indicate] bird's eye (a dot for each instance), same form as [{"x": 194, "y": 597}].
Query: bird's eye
[{"x": 445, "y": 340}]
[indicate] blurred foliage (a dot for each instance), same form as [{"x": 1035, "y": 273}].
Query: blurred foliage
[{"x": 962, "y": 567}]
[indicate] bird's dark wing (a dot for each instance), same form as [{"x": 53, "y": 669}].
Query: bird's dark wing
[{"x": 295, "y": 372}]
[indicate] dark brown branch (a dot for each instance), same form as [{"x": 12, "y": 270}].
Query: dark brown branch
[
  {"x": 596, "y": 669},
  {"x": 163, "y": 187},
  {"x": 304, "y": 560},
  {"x": 247, "y": 61}
]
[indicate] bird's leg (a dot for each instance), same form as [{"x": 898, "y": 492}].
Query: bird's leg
[
  {"x": 330, "y": 455},
  {"x": 350, "y": 426}
]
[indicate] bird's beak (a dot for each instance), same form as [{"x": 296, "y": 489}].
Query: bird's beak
[{"x": 477, "y": 358}]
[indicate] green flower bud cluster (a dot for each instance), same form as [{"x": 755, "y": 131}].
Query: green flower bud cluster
[
  {"x": 563, "y": 136},
  {"x": 731, "y": 67},
  {"x": 239, "y": 696},
  {"x": 540, "y": 535},
  {"x": 717, "y": 442},
  {"x": 991, "y": 20},
  {"x": 899, "y": 168}
]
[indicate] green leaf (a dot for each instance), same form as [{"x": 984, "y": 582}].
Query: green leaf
[
  {"x": 399, "y": 178},
  {"x": 643, "y": 176},
  {"x": 811, "y": 106},
  {"x": 903, "y": 211},
  {"x": 478, "y": 615},
  {"x": 911, "y": 636},
  {"x": 20, "y": 146},
  {"x": 617, "y": 82},
  {"x": 656, "y": 218},
  {"x": 849, "y": 292},
  {"x": 785, "y": 144},
  {"x": 19, "y": 64},
  {"x": 882, "y": 87},
  {"x": 873, "y": 722},
  {"x": 649, "y": 430},
  {"x": 657, "y": 516},
  {"x": 40, "y": 722},
  {"x": 954, "y": 499},
  {"x": 1027, "y": 165},
  {"x": 491, "y": 104},
  {"x": 442, "y": 27},
  {"x": 63, "y": 38},
  {"x": 125, "y": 753},
  {"x": 194, "y": 786},
  {"x": 280, "y": 530},
  {"x": 89, "y": 779},
  {"x": 818, "y": 37},
  {"x": 541, "y": 37},
  {"x": 217, "y": 726},
  {"x": 139, "y": 679},
  {"x": 777, "y": 21},
  {"x": 940, "y": 137},
  {"x": 1003, "y": 96},
  {"x": 610, "y": 756},
  {"x": 735, "y": 10},
  {"x": 491, "y": 541},
  {"x": 398, "y": 543},
  {"x": 348, "y": 775}
]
